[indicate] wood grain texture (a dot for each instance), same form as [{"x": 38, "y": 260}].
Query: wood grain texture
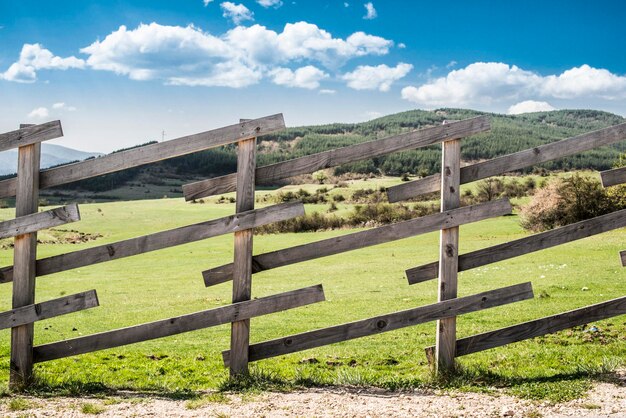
[
  {"x": 613, "y": 177},
  {"x": 49, "y": 309},
  {"x": 622, "y": 255},
  {"x": 448, "y": 254},
  {"x": 333, "y": 158},
  {"x": 161, "y": 240},
  {"x": 38, "y": 221},
  {"x": 539, "y": 327},
  {"x": 515, "y": 161},
  {"x": 526, "y": 245},
  {"x": 151, "y": 153},
  {"x": 242, "y": 264},
  {"x": 363, "y": 239},
  {"x": 24, "y": 256},
  {"x": 389, "y": 322},
  {"x": 30, "y": 134},
  {"x": 180, "y": 324}
]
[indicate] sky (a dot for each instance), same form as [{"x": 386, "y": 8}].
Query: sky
[{"x": 121, "y": 73}]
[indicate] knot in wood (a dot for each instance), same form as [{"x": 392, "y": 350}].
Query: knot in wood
[
  {"x": 448, "y": 171},
  {"x": 450, "y": 250},
  {"x": 288, "y": 341},
  {"x": 536, "y": 150},
  {"x": 381, "y": 324}
]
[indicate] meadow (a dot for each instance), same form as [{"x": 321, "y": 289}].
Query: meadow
[{"x": 357, "y": 284}]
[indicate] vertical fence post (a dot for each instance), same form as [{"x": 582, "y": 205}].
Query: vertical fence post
[
  {"x": 448, "y": 254},
  {"x": 242, "y": 268},
  {"x": 24, "y": 256}
]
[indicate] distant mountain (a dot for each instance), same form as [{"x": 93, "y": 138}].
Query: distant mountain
[{"x": 51, "y": 155}]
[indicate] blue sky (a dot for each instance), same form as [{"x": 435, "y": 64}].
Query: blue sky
[{"x": 120, "y": 73}]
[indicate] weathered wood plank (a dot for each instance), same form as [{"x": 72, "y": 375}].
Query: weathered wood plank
[
  {"x": 532, "y": 243},
  {"x": 161, "y": 240},
  {"x": 24, "y": 256},
  {"x": 515, "y": 161},
  {"x": 622, "y": 255},
  {"x": 389, "y": 322},
  {"x": 448, "y": 254},
  {"x": 613, "y": 177},
  {"x": 539, "y": 327},
  {"x": 151, "y": 153},
  {"x": 336, "y": 157},
  {"x": 363, "y": 239},
  {"x": 30, "y": 134},
  {"x": 49, "y": 309},
  {"x": 38, "y": 221},
  {"x": 242, "y": 266},
  {"x": 180, "y": 324}
]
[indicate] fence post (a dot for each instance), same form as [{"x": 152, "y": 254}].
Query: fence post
[
  {"x": 448, "y": 254},
  {"x": 242, "y": 269},
  {"x": 24, "y": 257}
]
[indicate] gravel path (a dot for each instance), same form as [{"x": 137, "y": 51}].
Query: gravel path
[{"x": 604, "y": 400}]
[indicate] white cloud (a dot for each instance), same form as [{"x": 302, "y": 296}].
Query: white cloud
[
  {"x": 492, "y": 82},
  {"x": 270, "y": 3},
  {"x": 346, "y": 4},
  {"x": 327, "y": 91},
  {"x": 237, "y": 12},
  {"x": 529, "y": 106},
  {"x": 33, "y": 58},
  {"x": 63, "y": 106},
  {"x": 39, "y": 113},
  {"x": 206, "y": 2},
  {"x": 371, "y": 11},
  {"x": 401, "y": 45},
  {"x": 305, "y": 77},
  {"x": 451, "y": 64},
  {"x": 381, "y": 77}
]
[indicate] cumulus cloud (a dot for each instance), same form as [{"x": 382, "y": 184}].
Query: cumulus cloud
[
  {"x": 63, "y": 106},
  {"x": 529, "y": 106},
  {"x": 370, "y": 11},
  {"x": 34, "y": 57},
  {"x": 305, "y": 77},
  {"x": 487, "y": 83},
  {"x": 236, "y": 12},
  {"x": 270, "y": 3},
  {"x": 39, "y": 113},
  {"x": 380, "y": 77}
]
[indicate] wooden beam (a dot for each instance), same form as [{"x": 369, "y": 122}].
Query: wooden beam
[
  {"x": 161, "y": 240},
  {"x": 30, "y": 134},
  {"x": 512, "y": 162},
  {"x": 336, "y": 157},
  {"x": 363, "y": 239},
  {"x": 151, "y": 153},
  {"x": 38, "y": 221},
  {"x": 539, "y": 327},
  {"x": 49, "y": 309},
  {"x": 622, "y": 255},
  {"x": 389, "y": 322},
  {"x": 180, "y": 324},
  {"x": 526, "y": 245},
  {"x": 613, "y": 177},
  {"x": 24, "y": 257}
]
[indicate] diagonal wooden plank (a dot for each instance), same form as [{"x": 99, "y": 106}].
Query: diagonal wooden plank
[
  {"x": 515, "y": 161},
  {"x": 38, "y": 221},
  {"x": 389, "y": 322},
  {"x": 161, "y": 240},
  {"x": 363, "y": 239},
  {"x": 180, "y": 324},
  {"x": 151, "y": 153},
  {"x": 30, "y": 134},
  {"x": 336, "y": 157},
  {"x": 526, "y": 245},
  {"x": 613, "y": 177},
  {"x": 49, "y": 309},
  {"x": 539, "y": 327}
]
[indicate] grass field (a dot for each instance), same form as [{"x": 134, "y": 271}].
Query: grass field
[{"x": 357, "y": 284}]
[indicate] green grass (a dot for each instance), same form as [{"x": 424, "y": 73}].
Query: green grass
[
  {"x": 92, "y": 408},
  {"x": 357, "y": 285}
]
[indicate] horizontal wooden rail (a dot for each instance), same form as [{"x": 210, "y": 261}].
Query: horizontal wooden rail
[
  {"x": 622, "y": 255},
  {"x": 532, "y": 243},
  {"x": 151, "y": 153},
  {"x": 538, "y": 327},
  {"x": 49, "y": 309},
  {"x": 613, "y": 177},
  {"x": 161, "y": 240},
  {"x": 180, "y": 324},
  {"x": 363, "y": 239},
  {"x": 30, "y": 134},
  {"x": 389, "y": 322},
  {"x": 336, "y": 157},
  {"x": 515, "y": 161},
  {"x": 38, "y": 221}
]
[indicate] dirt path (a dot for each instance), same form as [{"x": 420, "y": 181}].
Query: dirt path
[{"x": 604, "y": 400}]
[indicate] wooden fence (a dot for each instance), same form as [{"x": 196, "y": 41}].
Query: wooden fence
[{"x": 28, "y": 221}]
